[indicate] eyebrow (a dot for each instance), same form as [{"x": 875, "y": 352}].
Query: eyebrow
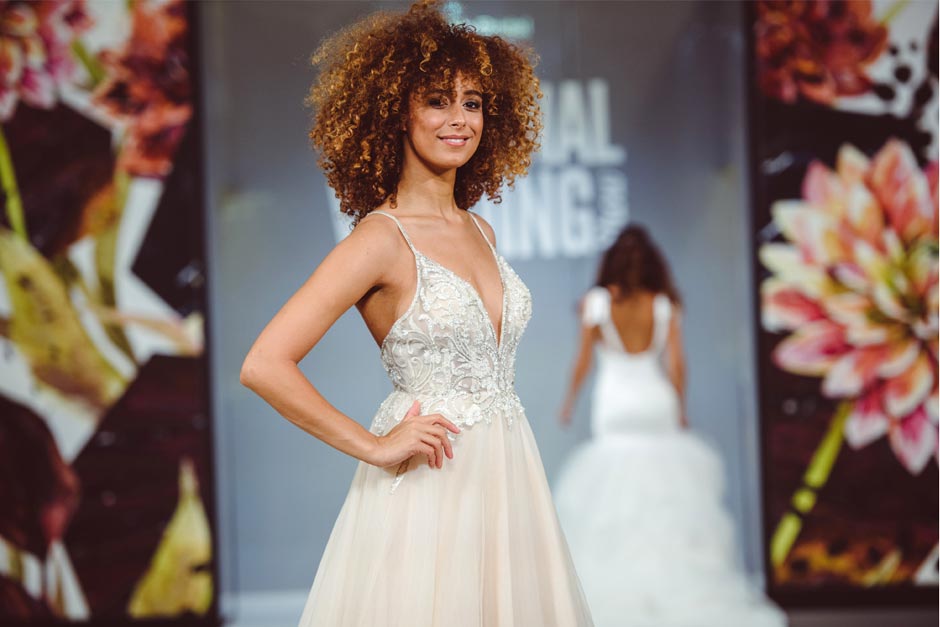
[{"x": 467, "y": 92}]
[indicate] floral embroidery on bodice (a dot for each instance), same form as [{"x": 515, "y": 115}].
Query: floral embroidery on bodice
[{"x": 445, "y": 352}]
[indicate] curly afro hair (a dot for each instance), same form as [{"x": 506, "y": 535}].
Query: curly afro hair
[{"x": 369, "y": 71}]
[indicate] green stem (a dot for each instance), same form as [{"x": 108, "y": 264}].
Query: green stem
[
  {"x": 815, "y": 477},
  {"x": 893, "y": 11},
  {"x": 14, "y": 203},
  {"x": 91, "y": 64}
]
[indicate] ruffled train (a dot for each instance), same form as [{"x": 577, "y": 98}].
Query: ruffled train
[{"x": 652, "y": 543}]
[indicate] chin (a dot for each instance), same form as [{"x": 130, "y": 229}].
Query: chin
[{"x": 450, "y": 164}]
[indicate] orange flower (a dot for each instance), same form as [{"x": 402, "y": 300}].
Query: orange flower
[
  {"x": 149, "y": 87},
  {"x": 816, "y": 49}
]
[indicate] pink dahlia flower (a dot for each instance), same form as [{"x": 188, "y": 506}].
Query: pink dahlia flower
[{"x": 856, "y": 285}]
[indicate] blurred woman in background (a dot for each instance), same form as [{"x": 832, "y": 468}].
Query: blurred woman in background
[{"x": 641, "y": 503}]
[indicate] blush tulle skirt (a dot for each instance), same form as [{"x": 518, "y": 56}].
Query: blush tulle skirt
[{"x": 476, "y": 543}]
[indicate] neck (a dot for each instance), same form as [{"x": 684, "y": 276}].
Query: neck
[{"x": 425, "y": 192}]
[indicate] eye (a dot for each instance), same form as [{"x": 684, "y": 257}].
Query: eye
[
  {"x": 474, "y": 105},
  {"x": 437, "y": 101}
]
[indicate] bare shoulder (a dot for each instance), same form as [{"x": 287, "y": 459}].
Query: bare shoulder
[
  {"x": 376, "y": 237},
  {"x": 490, "y": 233}
]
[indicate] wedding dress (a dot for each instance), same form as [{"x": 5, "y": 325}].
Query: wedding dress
[
  {"x": 477, "y": 542},
  {"x": 641, "y": 502}
]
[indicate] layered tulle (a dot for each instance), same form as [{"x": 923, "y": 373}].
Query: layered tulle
[
  {"x": 473, "y": 544},
  {"x": 651, "y": 542},
  {"x": 476, "y": 543}
]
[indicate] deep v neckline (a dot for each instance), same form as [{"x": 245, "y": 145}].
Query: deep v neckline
[{"x": 497, "y": 333}]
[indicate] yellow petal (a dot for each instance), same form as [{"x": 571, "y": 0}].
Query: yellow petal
[
  {"x": 46, "y": 328},
  {"x": 177, "y": 580},
  {"x": 787, "y": 263},
  {"x": 852, "y": 164},
  {"x": 814, "y": 232},
  {"x": 864, "y": 214}
]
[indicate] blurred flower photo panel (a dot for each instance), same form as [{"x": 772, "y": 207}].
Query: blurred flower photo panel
[
  {"x": 843, "y": 100},
  {"x": 106, "y": 487}
]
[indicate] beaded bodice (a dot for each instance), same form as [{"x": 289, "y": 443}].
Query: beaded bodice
[{"x": 444, "y": 350}]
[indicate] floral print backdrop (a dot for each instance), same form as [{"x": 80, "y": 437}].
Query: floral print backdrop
[
  {"x": 844, "y": 174},
  {"x": 105, "y": 457}
]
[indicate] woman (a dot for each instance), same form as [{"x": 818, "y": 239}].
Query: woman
[
  {"x": 641, "y": 502},
  {"x": 633, "y": 316},
  {"x": 449, "y": 519}
]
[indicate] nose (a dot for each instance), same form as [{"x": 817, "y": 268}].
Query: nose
[{"x": 457, "y": 117}]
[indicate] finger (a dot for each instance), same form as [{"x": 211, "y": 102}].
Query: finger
[
  {"x": 414, "y": 410},
  {"x": 428, "y": 451},
  {"x": 448, "y": 447},
  {"x": 435, "y": 444},
  {"x": 446, "y": 423}
]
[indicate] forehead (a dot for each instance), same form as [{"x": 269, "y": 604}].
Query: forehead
[
  {"x": 464, "y": 82},
  {"x": 461, "y": 83}
]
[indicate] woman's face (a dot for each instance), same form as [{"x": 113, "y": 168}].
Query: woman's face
[{"x": 444, "y": 130}]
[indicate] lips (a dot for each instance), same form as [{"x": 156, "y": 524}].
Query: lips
[{"x": 455, "y": 140}]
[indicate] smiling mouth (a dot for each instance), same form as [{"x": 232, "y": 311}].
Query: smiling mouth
[{"x": 455, "y": 141}]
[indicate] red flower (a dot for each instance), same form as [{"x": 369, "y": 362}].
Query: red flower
[
  {"x": 817, "y": 49},
  {"x": 149, "y": 88}
]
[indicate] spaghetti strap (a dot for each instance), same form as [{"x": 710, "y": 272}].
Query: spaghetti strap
[
  {"x": 480, "y": 228},
  {"x": 417, "y": 257},
  {"x": 400, "y": 228}
]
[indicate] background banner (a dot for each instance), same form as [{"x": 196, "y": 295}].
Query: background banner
[
  {"x": 844, "y": 180},
  {"x": 106, "y": 488}
]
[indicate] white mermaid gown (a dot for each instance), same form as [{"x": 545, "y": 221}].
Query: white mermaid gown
[
  {"x": 641, "y": 502},
  {"x": 473, "y": 544}
]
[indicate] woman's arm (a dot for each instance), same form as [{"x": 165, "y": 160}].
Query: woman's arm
[
  {"x": 580, "y": 370},
  {"x": 366, "y": 259},
  {"x": 675, "y": 361}
]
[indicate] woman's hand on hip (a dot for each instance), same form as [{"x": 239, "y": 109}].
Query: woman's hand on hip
[{"x": 416, "y": 434}]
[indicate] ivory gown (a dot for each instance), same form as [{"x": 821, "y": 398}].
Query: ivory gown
[{"x": 473, "y": 544}]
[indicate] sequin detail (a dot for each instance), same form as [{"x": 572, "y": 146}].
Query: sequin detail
[{"x": 445, "y": 352}]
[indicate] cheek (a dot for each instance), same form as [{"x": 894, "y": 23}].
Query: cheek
[
  {"x": 478, "y": 127},
  {"x": 430, "y": 118}
]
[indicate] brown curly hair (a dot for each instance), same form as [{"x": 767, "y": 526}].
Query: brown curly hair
[
  {"x": 370, "y": 70},
  {"x": 634, "y": 263}
]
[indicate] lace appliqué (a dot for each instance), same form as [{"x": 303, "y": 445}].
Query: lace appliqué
[{"x": 444, "y": 351}]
